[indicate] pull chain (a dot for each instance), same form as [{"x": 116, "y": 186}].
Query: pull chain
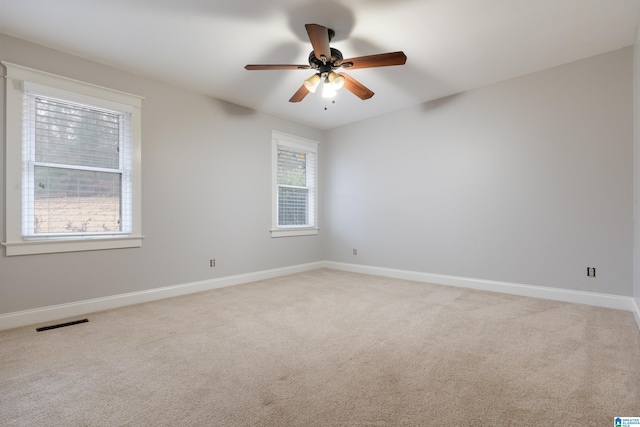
[{"x": 333, "y": 101}]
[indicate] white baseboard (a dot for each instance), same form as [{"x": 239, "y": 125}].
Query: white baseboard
[
  {"x": 556, "y": 294},
  {"x": 636, "y": 312},
  {"x": 55, "y": 312}
]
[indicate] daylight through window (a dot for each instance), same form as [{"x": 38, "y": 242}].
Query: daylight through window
[
  {"x": 77, "y": 170},
  {"x": 295, "y": 198},
  {"x": 72, "y": 165}
]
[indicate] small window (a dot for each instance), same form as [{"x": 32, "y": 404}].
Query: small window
[
  {"x": 294, "y": 186},
  {"x": 72, "y": 147}
]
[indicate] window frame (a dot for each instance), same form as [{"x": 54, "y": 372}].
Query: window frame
[
  {"x": 279, "y": 139},
  {"x": 18, "y": 79}
]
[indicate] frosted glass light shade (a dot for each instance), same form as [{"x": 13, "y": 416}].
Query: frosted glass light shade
[
  {"x": 336, "y": 80},
  {"x": 312, "y": 83},
  {"x": 327, "y": 90}
]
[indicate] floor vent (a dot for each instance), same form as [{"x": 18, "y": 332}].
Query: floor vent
[{"x": 61, "y": 325}]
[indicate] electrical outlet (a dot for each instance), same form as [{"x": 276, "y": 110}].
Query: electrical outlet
[
  {"x": 355, "y": 252},
  {"x": 212, "y": 262},
  {"x": 591, "y": 271}
]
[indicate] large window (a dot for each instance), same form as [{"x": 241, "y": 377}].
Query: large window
[
  {"x": 294, "y": 186},
  {"x": 73, "y": 165}
]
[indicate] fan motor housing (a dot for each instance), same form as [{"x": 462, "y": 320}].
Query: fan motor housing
[{"x": 323, "y": 67}]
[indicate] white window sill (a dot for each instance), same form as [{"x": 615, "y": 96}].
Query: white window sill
[
  {"x": 33, "y": 247},
  {"x": 290, "y": 232}
]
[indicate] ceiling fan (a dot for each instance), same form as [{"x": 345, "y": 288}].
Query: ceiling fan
[{"x": 325, "y": 60}]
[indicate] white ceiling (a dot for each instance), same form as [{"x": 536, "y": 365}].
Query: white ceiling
[{"x": 451, "y": 45}]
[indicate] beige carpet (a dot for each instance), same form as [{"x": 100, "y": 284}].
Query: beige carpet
[{"x": 327, "y": 348}]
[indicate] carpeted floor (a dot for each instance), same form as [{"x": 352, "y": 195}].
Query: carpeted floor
[{"x": 327, "y": 348}]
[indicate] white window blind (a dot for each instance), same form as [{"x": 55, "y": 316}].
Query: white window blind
[
  {"x": 77, "y": 169},
  {"x": 296, "y": 188},
  {"x": 73, "y": 165},
  {"x": 294, "y": 178}
]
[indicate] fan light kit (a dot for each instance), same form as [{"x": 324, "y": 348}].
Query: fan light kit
[{"x": 325, "y": 60}]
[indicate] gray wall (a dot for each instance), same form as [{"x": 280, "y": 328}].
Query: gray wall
[
  {"x": 206, "y": 194},
  {"x": 527, "y": 181}
]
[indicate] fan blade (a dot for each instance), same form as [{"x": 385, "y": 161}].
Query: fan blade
[
  {"x": 379, "y": 60},
  {"x": 319, "y": 37},
  {"x": 355, "y": 87},
  {"x": 276, "y": 67},
  {"x": 300, "y": 94}
]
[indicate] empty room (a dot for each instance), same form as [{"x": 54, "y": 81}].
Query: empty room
[{"x": 303, "y": 213}]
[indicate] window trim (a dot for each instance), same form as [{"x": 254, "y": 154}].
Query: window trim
[
  {"x": 295, "y": 142},
  {"x": 17, "y": 77}
]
